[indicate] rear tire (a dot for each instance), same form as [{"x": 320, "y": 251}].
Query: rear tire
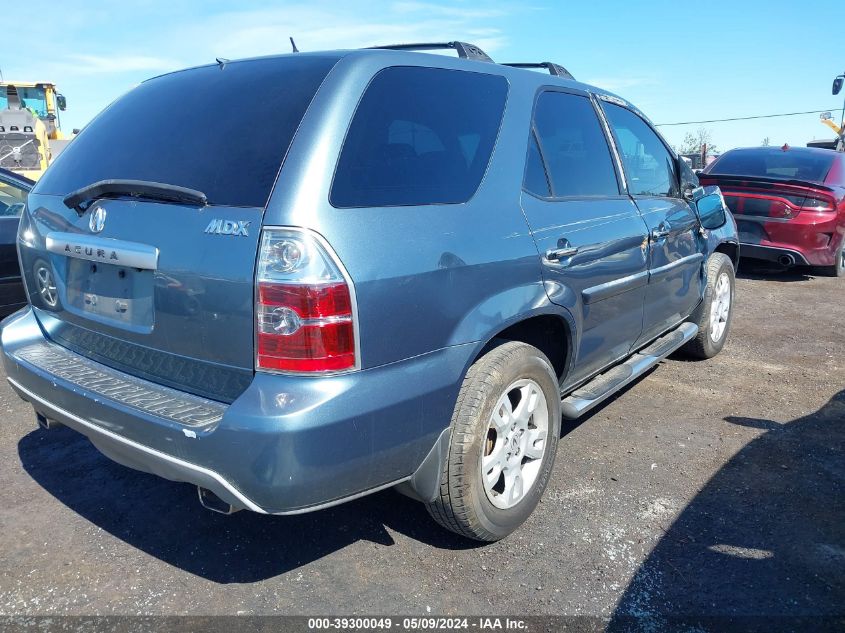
[
  {"x": 505, "y": 430},
  {"x": 715, "y": 314}
]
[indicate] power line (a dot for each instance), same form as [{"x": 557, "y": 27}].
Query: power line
[{"x": 748, "y": 118}]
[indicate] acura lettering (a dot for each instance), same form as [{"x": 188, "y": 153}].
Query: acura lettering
[{"x": 90, "y": 252}]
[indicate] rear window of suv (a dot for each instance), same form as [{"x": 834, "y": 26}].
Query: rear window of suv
[
  {"x": 222, "y": 129},
  {"x": 419, "y": 136}
]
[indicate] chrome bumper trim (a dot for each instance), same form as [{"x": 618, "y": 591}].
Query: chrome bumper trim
[{"x": 103, "y": 249}]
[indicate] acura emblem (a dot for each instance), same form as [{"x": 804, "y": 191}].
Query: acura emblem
[{"x": 97, "y": 220}]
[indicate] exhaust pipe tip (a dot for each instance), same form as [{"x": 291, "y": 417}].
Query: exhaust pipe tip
[
  {"x": 786, "y": 260},
  {"x": 46, "y": 423},
  {"x": 211, "y": 501}
]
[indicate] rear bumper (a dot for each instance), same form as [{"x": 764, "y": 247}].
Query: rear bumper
[
  {"x": 811, "y": 238},
  {"x": 286, "y": 445}
]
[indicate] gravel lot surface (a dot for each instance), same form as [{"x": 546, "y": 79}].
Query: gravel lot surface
[{"x": 704, "y": 488}]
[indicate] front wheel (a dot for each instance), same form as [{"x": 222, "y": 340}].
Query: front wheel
[
  {"x": 716, "y": 311},
  {"x": 505, "y": 430}
]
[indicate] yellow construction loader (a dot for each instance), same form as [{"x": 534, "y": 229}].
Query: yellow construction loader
[{"x": 30, "y": 129}]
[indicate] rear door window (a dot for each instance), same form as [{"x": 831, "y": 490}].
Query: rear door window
[
  {"x": 573, "y": 146},
  {"x": 536, "y": 181},
  {"x": 419, "y": 136},
  {"x": 222, "y": 129},
  {"x": 649, "y": 166}
]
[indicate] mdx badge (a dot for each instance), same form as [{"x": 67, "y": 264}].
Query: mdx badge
[
  {"x": 97, "y": 221},
  {"x": 227, "y": 227}
]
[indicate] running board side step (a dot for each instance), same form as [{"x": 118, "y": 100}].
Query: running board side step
[{"x": 605, "y": 385}]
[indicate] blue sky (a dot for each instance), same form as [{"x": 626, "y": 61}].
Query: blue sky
[{"x": 677, "y": 61}]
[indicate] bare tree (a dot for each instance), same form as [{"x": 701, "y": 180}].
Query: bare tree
[
  {"x": 765, "y": 142},
  {"x": 693, "y": 142}
]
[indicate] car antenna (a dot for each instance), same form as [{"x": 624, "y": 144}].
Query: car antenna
[
  {"x": 221, "y": 61},
  {"x": 293, "y": 44}
]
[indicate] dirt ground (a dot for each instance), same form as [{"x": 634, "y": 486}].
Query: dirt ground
[{"x": 706, "y": 488}]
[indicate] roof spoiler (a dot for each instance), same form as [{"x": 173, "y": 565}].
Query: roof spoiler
[
  {"x": 464, "y": 50},
  {"x": 766, "y": 180},
  {"x": 554, "y": 69}
]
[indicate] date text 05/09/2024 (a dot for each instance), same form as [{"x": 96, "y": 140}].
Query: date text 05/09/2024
[{"x": 425, "y": 623}]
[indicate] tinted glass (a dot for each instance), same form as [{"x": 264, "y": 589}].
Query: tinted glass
[
  {"x": 688, "y": 177},
  {"x": 775, "y": 163},
  {"x": 33, "y": 99},
  {"x": 649, "y": 167},
  {"x": 221, "y": 130},
  {"x": 12, "y": 199},
  {"x": 574, "y": 146},
  {"x": 419, "y": 136},
  {"x": 535, "y": 173}
]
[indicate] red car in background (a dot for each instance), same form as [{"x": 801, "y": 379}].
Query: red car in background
[{"x": 789, "y": 203}]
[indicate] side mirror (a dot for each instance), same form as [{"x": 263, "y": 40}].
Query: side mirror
[
  {"x": 62, "y": 102},
  {"x": 710, "y": 205},
  {"x": 837, "y": 85}
]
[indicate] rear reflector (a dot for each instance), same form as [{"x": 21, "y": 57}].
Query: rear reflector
[{"x": 304, "y": 309}]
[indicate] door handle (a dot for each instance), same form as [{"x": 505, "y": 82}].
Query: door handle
[
  {"x": 557, "y": 254},
  {"x": 661, "y": 231}
]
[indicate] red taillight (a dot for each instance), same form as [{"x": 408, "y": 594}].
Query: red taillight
[
  {"x": 309, "y": 301},
  {"x": 304, "y": 309},
  {"x": 818, "y": 202},
  {"x": 782, "y": 202}
]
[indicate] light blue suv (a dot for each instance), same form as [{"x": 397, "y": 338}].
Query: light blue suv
[{"x": 295, "y": 280}]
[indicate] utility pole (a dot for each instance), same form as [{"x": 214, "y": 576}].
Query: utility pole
[{"x": 837, "y": 87}]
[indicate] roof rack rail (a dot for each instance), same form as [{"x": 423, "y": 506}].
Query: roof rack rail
[
  {"x": 465, "y": 50},
  {"x": 554, "y": 69}
]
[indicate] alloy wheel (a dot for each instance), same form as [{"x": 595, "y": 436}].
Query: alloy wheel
[
  {"x": 515, "y": 443},
  {"x": 720, "y": 307}
]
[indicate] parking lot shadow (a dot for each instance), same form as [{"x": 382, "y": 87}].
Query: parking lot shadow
[
  {"x": 765, "y": 271},
  {"x": 165, "y": 520},
  {"x": 764, "y": 537}
]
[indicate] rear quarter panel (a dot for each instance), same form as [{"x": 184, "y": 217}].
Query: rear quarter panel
[{"x": 426, "y": 277}]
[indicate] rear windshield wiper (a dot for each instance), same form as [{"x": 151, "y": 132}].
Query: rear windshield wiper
[{"x": 81, "y": 199}]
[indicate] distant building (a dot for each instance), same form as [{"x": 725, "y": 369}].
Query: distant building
[{"x": 695, "y": 161}]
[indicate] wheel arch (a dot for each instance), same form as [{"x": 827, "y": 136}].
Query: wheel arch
[
  {"x": 729, "y": 248},
  {"x": 552, "y": 331},
  {"x": 559, "y": 327}
]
